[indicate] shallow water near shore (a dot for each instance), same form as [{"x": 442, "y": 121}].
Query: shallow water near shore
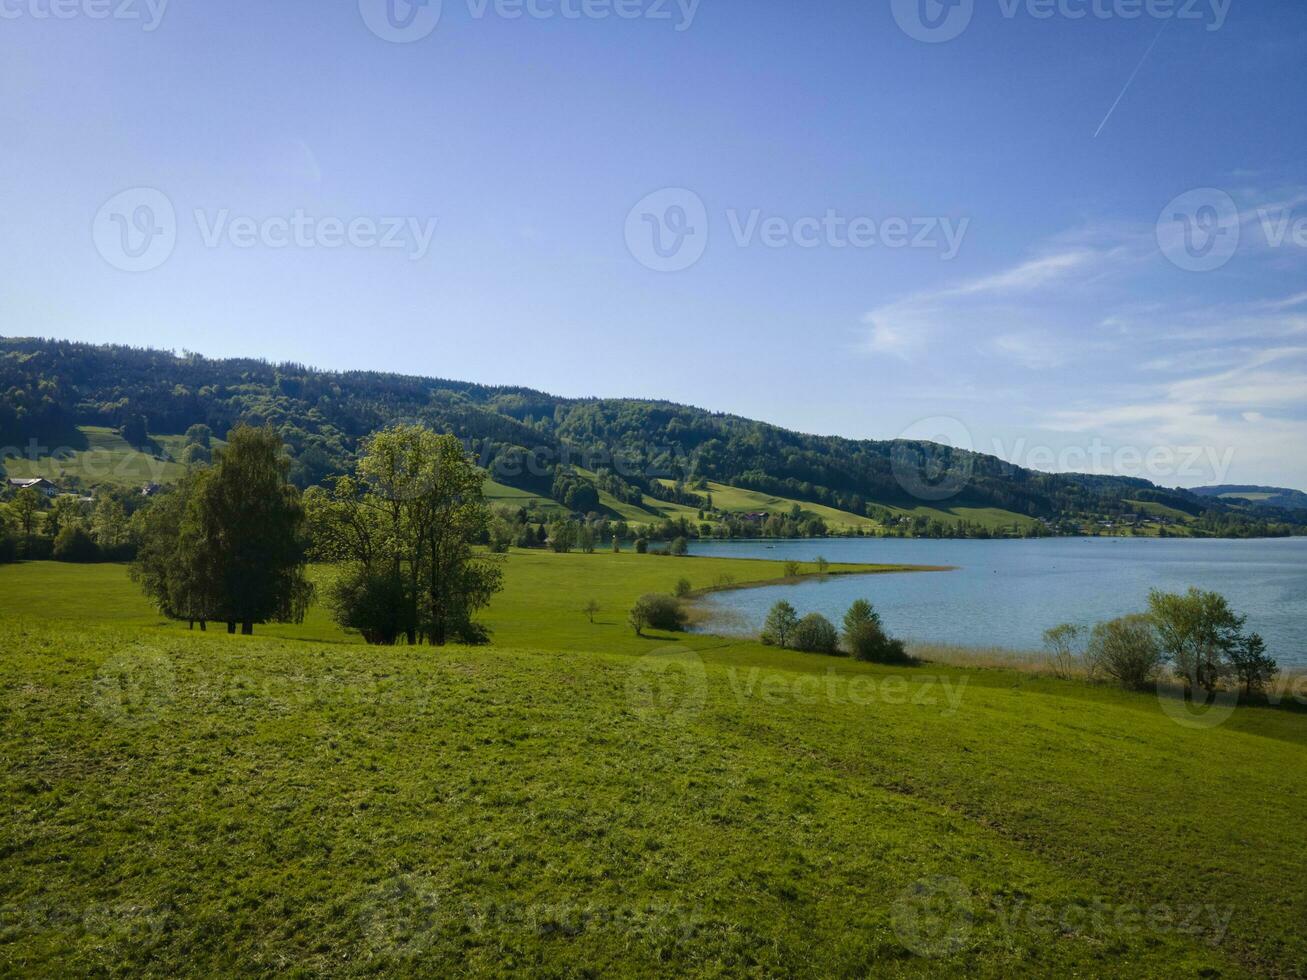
[{"x": 1006, "y": 593}]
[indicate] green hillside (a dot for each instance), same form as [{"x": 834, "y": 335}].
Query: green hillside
[
  {"x": 101, "y": 456},
  {"x": 56, "y": 389}
]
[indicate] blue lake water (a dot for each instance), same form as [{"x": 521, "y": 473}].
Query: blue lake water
[{"x": 1006, "y": 593}]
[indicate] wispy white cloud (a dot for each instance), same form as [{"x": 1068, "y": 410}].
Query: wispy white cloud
[{"x": 1103, "y": 338}]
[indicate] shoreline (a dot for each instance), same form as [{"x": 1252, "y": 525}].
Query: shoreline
[{"x": 695, "y": 594}]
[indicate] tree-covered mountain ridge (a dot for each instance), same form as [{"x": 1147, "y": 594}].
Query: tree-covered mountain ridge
[{"x": 563, "y": 448}]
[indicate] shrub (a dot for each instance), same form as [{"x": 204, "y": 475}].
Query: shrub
[
  {"x": 869, "y": 642},
  {"x": 1252, "y": 666},
  {"x": 1126, "y": 649},
  {"x": 35, "y": 549},
  {"x": 659, "y": 612},
  {"x": 815, "y": 634},
  {"x": 792, "y": 569},
  {"x": 683, "y": 588},
  {"x": 74, "y": 544},
  {"x": 641, "y": 546},
  {"x": 1061, "y": 642},
  {"x": 679, "y": 546}
]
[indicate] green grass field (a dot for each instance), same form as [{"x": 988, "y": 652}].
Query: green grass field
[
  {"x": 106, "y": 459},
  {"x": 577, "y": 801}
]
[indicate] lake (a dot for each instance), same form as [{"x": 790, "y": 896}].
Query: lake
[{"x": 1006, "y": 593}]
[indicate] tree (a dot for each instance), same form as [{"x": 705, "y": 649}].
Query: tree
[
  {"x": 73, "y": 544},
  {"x": 1126, "y": 649},
  {"x": 865, "y": 637},
  {"x": 815, "y": 634},
  {"x": 26, "y": 505},
  {"x": 683, "y": 588},
  {"x": 659, "y": 612},
  {"x": 679, "y": 546},
  {"x": 590, "y": 608},
  {"x": 109, "y": 523},
  {"x": 133, "y": 431},
  {"x": 860, "y": 614},
  {"x": 199, "y": 434},
  {"x": 780, "y": 624},
  {"x": 823, "y": 566},
  {"x": 638, "y": 617},
  {"x": 792, "y": 569},
  {"x": 64, "y": 512},
  {"x": 251, "y": 521},
  {"x": 562, "y": 536},
  {"x": 1252, "y": 666},
  {"x": 405, "y": 527},
  {"x": 1198, "y": 632},
  {"x": 173, "y": 565},
  {"x": 1061, "y": 642}
]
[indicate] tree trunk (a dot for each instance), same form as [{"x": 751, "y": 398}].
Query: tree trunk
[
  {"x": 247, "y": 628},
  {"x": 203, "y": 626},
  {"x": 231, "y": 626},
  {"x": 190, "y": 624}
]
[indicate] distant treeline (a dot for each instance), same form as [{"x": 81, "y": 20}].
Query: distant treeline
[{"x": 531, "y": 440}]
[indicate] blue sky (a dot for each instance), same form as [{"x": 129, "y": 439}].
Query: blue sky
[{"x": 1034, "y": 272}]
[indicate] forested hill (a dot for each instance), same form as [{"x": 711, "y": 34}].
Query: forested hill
[{"x": 527, "y": 438}]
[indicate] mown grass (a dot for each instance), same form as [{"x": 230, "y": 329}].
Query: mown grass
[{"x": 576, "y": 800}]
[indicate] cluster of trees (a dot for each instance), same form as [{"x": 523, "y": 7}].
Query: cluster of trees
[
  {"x": 67, "y": 527},
  {"x": 227, "y": 543},
  {"x": 525, "y": 437},
  {"x": 401, "y": 531},
  {"x": 1195, "y": 634},
  {"x": 863, "y": 636}
]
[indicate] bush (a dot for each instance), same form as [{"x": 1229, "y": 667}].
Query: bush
[
  {"x": 815, "y": 634},
  {"x": 1061, "y": 642},
  {"x": 74, "y": 544},
  {"x": 35, "y": 549},
  {"x": 679, "y": 546},
  {"x": 8, "y": 548},
  {"x": 869, "y": 642},
  {"x": 683, "y": 588},
  {"x": 1126, "y": 649},
  {"x": 1252, "y": 666},
  {"x": 641, "y": 546},
  {"x": 659, "y": 612}
]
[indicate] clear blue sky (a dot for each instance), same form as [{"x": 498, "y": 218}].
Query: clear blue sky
[{"x": 1059, "y": 334}]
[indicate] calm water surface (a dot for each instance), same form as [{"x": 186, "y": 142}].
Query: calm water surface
[{"x": 1006, "y": 593}]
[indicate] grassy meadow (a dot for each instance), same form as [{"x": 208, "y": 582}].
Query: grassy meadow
[{"x": 574, "y": 800}]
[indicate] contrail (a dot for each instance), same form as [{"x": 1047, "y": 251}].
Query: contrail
[{"x": 1131, "y": 79}]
